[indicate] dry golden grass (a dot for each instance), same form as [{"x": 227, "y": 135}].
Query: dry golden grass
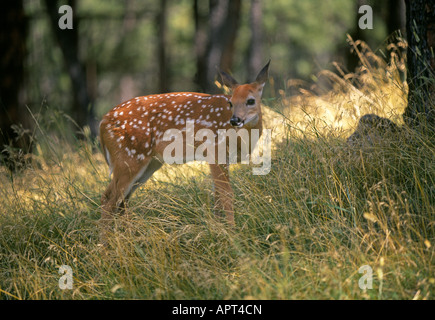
[{"x": 375, "y": 87}]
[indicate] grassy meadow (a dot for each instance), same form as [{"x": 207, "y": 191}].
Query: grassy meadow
[{"x": 302, "y": 231}]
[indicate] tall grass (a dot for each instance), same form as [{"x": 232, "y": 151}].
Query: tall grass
[{"x": 302, "y": 231}]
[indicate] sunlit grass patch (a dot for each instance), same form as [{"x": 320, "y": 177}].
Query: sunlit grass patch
[{"x": 377, "y": 86}]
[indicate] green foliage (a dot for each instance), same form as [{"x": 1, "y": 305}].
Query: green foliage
[
  {"x": 118, "y": 43},
  {"x": 304, "y": 34}
]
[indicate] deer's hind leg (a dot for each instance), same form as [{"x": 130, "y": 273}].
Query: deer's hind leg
[{"x": 124, "y": 182}]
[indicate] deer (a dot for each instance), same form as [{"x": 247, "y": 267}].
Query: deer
[{"x": 131, "y": 138}]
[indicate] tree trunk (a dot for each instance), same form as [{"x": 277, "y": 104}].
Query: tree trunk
[
  {"x": 255, "y": 54},
  {"x": 163, "y": 85},
  {"x": 200, "y": 20},
  {"x": 68, "y": 41},
  {"x": 224, "y": 16},
  {"x": 396, "y": 17},
  {"x": 420, "y": 29},
  {"x": 15, "y": 123}
]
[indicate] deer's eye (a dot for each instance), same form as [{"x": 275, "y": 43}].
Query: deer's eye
[
  {"x": 231, "y": 105},
  {"x": 250, "y": 102}
]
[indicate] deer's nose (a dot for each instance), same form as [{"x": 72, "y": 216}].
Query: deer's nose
[{"x": 236, "y": 121}]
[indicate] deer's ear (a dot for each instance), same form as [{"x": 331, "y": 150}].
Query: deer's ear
[
  {"x": 263, "y": 75},
  {"x": 228, "y": 80}
]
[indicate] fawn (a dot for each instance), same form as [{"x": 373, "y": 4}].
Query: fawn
[{"x": 133, "y": 144}]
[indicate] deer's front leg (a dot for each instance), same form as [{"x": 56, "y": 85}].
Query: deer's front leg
[{"x": 223, "y": 192}]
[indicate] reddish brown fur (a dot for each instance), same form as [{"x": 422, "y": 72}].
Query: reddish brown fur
[{"x": 138, "y": 123}]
